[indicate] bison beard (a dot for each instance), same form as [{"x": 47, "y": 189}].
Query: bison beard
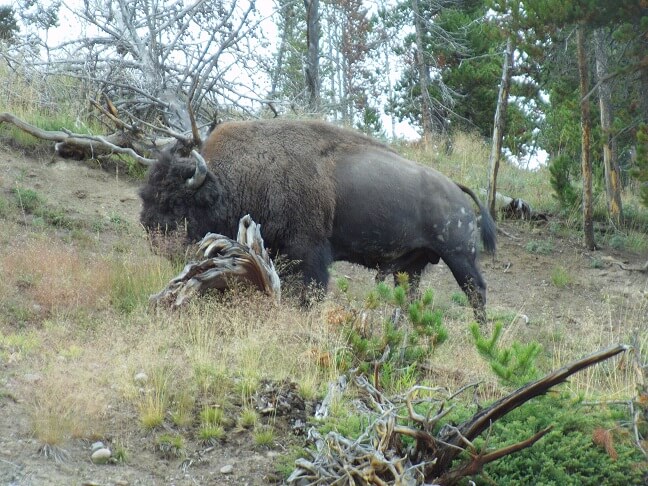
[{"x": 321, "y": 193}]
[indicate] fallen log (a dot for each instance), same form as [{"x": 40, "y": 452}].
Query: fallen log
[
  {"x": 223, "y": 262},
  {"x": 78, "y": 145}
]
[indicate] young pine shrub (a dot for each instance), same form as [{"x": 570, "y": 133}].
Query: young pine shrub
[
  {"x": 562, "y": 168},
  {"x": 573, "y": 453},
  {"x": 514, "y": 365},
  {"x": 410, "y": 334}
]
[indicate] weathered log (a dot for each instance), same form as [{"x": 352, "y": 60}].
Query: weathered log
[
  {"x": 515, "y": 208},
  {"x": 77, "y": 143},
  {"x": 224, "y": 261}
]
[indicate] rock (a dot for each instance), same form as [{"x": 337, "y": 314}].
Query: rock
[
  {"x": 98, "y": 445},
  {"x": 101, "y": 456},
  {"x": 228, "y": 469}
]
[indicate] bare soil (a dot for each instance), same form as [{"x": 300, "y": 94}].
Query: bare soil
[{"x": 520, "y": 289}]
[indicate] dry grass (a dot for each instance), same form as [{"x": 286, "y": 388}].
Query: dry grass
[
  {"x": 57, "y": 277},
  {"x": 215, "y": 351},
  {"x": 49, "y": 102}
]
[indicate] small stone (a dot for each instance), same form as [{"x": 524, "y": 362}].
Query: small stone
[
  {"x": 101, "y": 456},
  {"x": 98, "y": 445},
  {"x": 140, "y": 378},
  {"x": 228, "y": 469}
]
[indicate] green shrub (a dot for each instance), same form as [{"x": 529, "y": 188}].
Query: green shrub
[
  {"x": 514, "y": 365},
  {"x": 560, "y": 277},
  {"x": 28, "y": 200},
  {"x": 561, "y": 169},
  {"x": 569, "y": 455},
  {"x": 539, "y": 247},
  {"x": 460, "y": 298}
]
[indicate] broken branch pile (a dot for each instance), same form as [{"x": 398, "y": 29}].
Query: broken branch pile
[{"x": 380, "y": 457}]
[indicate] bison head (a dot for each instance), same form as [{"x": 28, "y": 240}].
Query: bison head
[{"x": 178, "y": 202}]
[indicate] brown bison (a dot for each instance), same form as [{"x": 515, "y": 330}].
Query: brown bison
[{"x": 321, "y": 194}]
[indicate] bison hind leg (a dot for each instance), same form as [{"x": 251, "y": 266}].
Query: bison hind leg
[
  {"x": 470, "y": 280},
  {"x": 413, "y": 265}
]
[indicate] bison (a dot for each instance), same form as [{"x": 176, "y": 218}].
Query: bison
[{"x": 322, "y": 194}]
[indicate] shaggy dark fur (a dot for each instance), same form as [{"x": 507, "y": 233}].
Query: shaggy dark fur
[{"x": 321, "y": 194}]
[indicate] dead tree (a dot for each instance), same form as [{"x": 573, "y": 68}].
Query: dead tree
[
  {"x": 127, "y": 139},
  {"x": 500, "y": 123},
  {"x": 222, "y": 262},
  {"x": 121, "y": 142}
]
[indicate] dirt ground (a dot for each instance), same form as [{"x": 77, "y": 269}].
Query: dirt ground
[{"x": 519, "y": 287}]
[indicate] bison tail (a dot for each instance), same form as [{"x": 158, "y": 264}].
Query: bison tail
[{"x": 488, "y": 228}]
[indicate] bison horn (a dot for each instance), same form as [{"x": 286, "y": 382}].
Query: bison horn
[{"x": 201, "y": 172}]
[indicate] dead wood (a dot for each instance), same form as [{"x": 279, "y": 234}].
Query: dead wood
[
  {"x": 68, "y": 142},
  {"x": 641, "y": 268},
  {"x": 623, "y": 266},
  {"x": 380, "y": 457},
  {"x": 520, "y": 209},
  {"x": 223, "y": 262}
]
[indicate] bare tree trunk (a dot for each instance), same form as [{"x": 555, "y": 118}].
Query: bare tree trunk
[
  {"x": 611, "y": 163},
  {"x": 586, "y": 161},
  {"x": 424, "y": 74},
  {"x": 390, "y": 92},
  {"x": 499, "y": 124},
  {"x": 286, "y": 32},
  {"x": 312, "y": 58},
  {"x": 643, "y": 100}
]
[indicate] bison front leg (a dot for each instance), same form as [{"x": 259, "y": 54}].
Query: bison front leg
[
  {"x": 315, "y": 271},
  {"x": 470, "y": 280}
]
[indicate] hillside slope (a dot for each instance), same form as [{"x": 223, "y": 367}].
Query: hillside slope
[{"x": 594, "y": 303}]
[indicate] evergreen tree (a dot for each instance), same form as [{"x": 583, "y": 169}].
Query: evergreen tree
[{"x": 8, "y": 24}]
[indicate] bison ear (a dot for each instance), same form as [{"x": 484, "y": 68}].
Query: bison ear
[{"x": 195, "y": 181}]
